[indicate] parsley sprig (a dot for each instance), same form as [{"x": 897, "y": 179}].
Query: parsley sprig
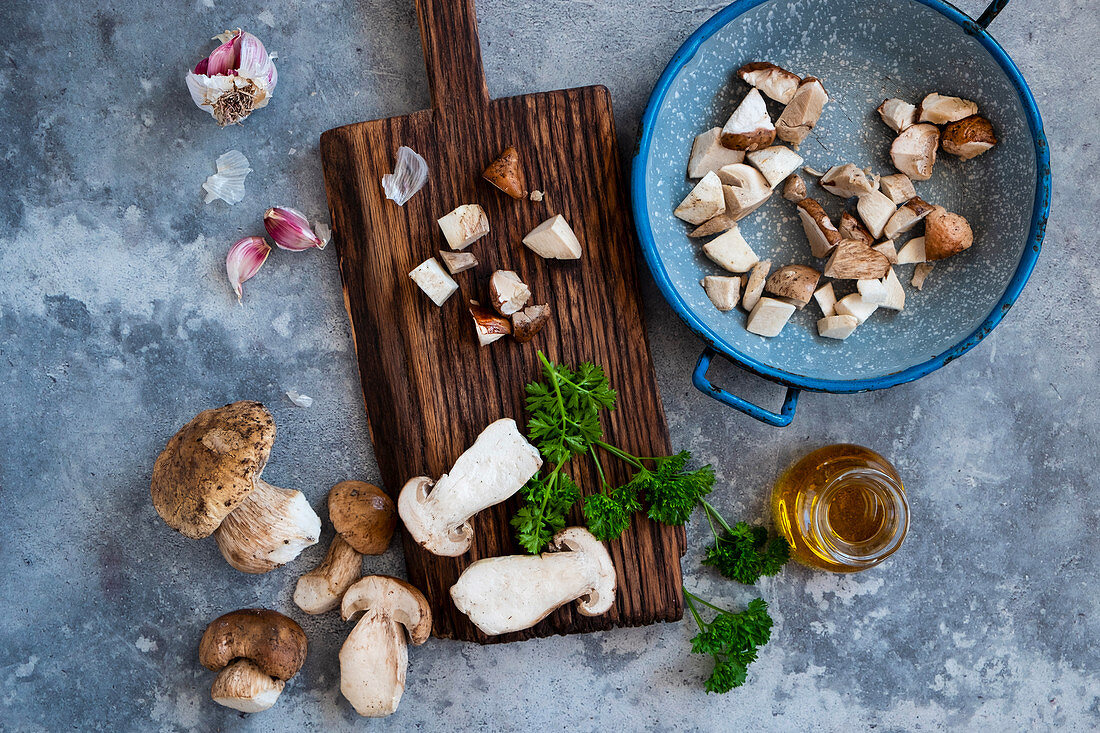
[
  {"x": 732, "y": 639},
  {"x": 743, "y": 552}
]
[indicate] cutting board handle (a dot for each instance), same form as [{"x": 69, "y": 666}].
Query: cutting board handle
[{"x": 452, "y": 53}]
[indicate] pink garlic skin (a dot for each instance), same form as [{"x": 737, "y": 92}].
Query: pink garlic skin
[
  {"x": 237, "y": 78},
  {"x": 245, "y": 258},
  {"x": 290, "y": 229}
]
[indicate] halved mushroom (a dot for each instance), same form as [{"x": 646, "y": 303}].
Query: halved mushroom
[
  {"x": 777, "y": 83},
  {"x": 802, "y": 112},
  {"x": 708, "y": 154},
  {"x": 821, "y": 233},
  {"x": 775, "y": 163},
  {"x": 852, "y": 228},
  {"x": 505, "y": 594},
  {"x": 898, "y": 114},
  {"x": 846, "y": 181},
  {"x": 494, "y": 468},
  {"x": 374, "y": 658},
  {"x": 749, "y": 127},
  {"x": 507, "y": 293},
  {"x": 946, "y": 234},
  {"x": 914, "y": 151},
  {"x": 754, "y": 286},
  {"x": 554, "y": 239},
  {"x": 254, "y": 651},
  {"x": 704, "y": 201},
  {"x": 897, "y": 187},
  {"x": 731, "y": 252},
  {"x": 528, "y": 322},
  {"x": 506, "y": 174},
  {"x": 826, "y": 299},
  {"x": 795, "y": 188},
  {"x": 721, "y": 223},
  {"x": 489, "y": 325},
  {"x": 912, "y": 252},
  {"x": 794, "y": 283},
  {"x": 745, "y": 190},
  {"x": 723, "y": 291},
  {"x": 837, "y": 327},
  {"x": 969, "y": 137},
  {"x": 457, "y": 262},
  {"x": 768, "y": 317},
  {"x": 852, "y": 260},
  {"x": 887, "y": 248},
  {"x": 464, "y": 226},
  {"x": 920, "y": 274},
  {"x": 940, "y": 109},
  {"x": 906, "y": 217},
  {"x": 875, "y": 209}
]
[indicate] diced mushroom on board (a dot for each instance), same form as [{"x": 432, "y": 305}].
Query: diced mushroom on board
[
  {"x": 946, "y": 234},
  {"x": 430, "y": 276},
  {"x": 775, "y": 163},
  {"x": 887, "y": 248},
  {"x": 846, "y": 181},
  {"x": 968, "y": 137},
  {"x": 754, "y": 286},
  {"x": 506, "y": 174},
  {"x": 507, "y": 293},
  {"x": 464, "y": 226},
  {"x": 708, "y": 154},
  {"x": 855, "y": 305},
  {"x": 749, "y": 127},
  {"x": 906, "y": 217},
  {"x": 913, "y": 152},
  {"x": 723, "y": 291},
  {"x": 898, "y": 187},
  {"x": 940, "y": 109},
  {"x": 731, "y": 252},
  {"x": 721, "y": 223},
  {"x": 794, "y": 283},
  {"x": 795, "y": 188},
  {"x": 837, "y": 327},
  {"x": 802, "y": 112},
  {"x": 489, "y": 325},
  {"x": 912, "y": 251},
  {"x": 457, "y": 262},
  {"x": 777, "y": 83},
  {"x": 853, "y": 260},
  {"x": 820, "y": 231},
  {"x": 554, "y": 240},
  {"x": 768, "y": 317},
  {"x": 895, "y": 293},
  {"x": 920, "y": 274},
  {"x": 852, "y": 228},
  {"x": 898, "y": 114},
  {"x": 826, "y": 299},
  {"x": 704, "y": 201},
  {"x": 875, "y": 209},
  {"x": 528, "y": 322},
  {"x": 745, "y": 189}
]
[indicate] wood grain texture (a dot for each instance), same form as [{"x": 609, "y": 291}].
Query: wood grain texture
[{"x": 428, "y": 387}]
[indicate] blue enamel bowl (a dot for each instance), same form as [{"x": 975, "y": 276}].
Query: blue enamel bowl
[{"x": 863, "y": 52}]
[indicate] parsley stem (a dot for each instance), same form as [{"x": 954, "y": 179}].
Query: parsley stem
[
  {"x": 691, "y": 607},
  {"x": 689, "y": 596},
  {"x": 712, "y": 511},
  {"x": 636, "y": 461},
  {"x": 599, "y": 469}
]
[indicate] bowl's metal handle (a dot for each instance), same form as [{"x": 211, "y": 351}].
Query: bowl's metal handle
[
  {"x": 779, "y": 419},
  {"x": 991, "y": 12}
]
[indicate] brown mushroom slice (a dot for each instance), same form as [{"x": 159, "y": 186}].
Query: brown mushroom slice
[
  {"x": 501, "y": 595},
  {"x": 946, "y": 234},
  {"x": 254, "y": 651},
  {"x": 490, "y": 471},
  {"x": 898, "y": 114},
  {"x": 506, "y": 174},
  {"x": 820, "y": 232},
  {"x": 723, "y": 291},
  {"x": 875, "y": 210},
  {"x": 906, "y": 217},
  {"x": 754, "y": 285},
  {"x": 802, "y": 112},
  {"x": 852, "y": 260},
  {"x": 897, "y": 187},
  {"x": 457, "y": 262},
  {"x": 795, "y": 188},
  {"x": 775, "y": 163},
  {"x": 745, "y": 189},
  {"x": 852, "y": 228},
  {"x": 721, "y": 223},
  {"x": 969, "y": 137},
  {"x": 794, "y": 283},
  {"x": 708, "y": 154},
  {"x": 749, "y": 127},
  {"x": 207, "y": 481},
  {"x": 846, "y": 181},
  {"x": 528, "y": 322},
  {"x": 779, "y": 84},
  {"x": 507, "y": 293},
  {"x": 374, "y": 659},
  {"x": 914, "y": 151},
  {"x": 489, "y": 325},
  {"x": 940, "y": 109}
]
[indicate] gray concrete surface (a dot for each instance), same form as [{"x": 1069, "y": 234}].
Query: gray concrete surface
[{"x": 116, "y": 326}]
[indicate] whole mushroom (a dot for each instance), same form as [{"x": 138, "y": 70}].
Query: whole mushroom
[
  {"x": 207, "y": 481},
  {"x": 254, "y": 651}
]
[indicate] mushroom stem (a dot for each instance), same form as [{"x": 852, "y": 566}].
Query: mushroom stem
[
  {"x": 373, "y": 662},
  {"x": 268, "y": 529},
  {"x": 244, "y": 686},
  {"x": 319, "y": 590}
]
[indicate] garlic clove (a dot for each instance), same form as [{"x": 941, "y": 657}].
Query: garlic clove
[
  {"x": 223, "y": 59},
  {"x": 228, "y": 183},
  {"x": 244, "y": 260},
  {"x": 290, "y": 229},
  {"x": 410, "y": 173},
  {"x": 237, "y": 78}
]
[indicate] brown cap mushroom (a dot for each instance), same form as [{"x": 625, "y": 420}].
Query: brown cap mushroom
[
  {"x": 969, "y": 137},
  {"x": 506, "y": 174},
  {"x": 795, "y": 188},
  {"x": 914, "y": 151},
  {"x": 374, "y": 658},
  {"x": 777, "y": 83},
  {"x": 254, "y": 651},
  {"x": 945, "y": 234},
  {"x": 803, "y": 111},
  {"x": 207, "y": 480},
  {"x": 795, "y": 283},
  {"x": 749, "y": 127},
  {"x": 528, "y": 322}
]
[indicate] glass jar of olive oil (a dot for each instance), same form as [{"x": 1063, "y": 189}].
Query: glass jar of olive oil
[{"x": 842, "y": 508}]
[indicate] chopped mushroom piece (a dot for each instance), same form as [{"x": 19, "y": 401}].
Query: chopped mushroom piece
[
  {"x": 821, "y": 233},
  {"x": 745, "y": 191},
  {"x": 920, "y": 274},
  {"x": 895, "y": 293},
  {"x": 914, "y": 151},
  {"x": 749, "y": 127},
  {"x": 554, "y": 240},
  {"x": 837, "y": 327},
  {"x": 969, "y": 137},
  {"x": 852, "y": 228},
  {"x": 777, "y": 83},
  {"x": 506, "y": 174},
  {"x": 708, "y": 154},
  {"x": 855, "y": 305},
  {"x": 898, "y": 114},
  {"x": 946, "y": 234},
  {"x": 488, "y": 324},
  {"x": 731, "y": 252},
  {"x": 464, "y": 226},
  {"x": 721, "y": 223},
  {"x": 875, "y": 209},
  {"x": 723, "y": 291},
  {"x": 793, "y": 283},
  {"x": 913, "y": 251},
  {"x": 887, "y": 248},
  {"x": 768, "y": 317},
  {"x": 507, "y": 293},
  {"x": 430, "y": 276},
  {"x": 846, "y": 181},
  {"x": 852, "y": 260},
  {"x": 537, "y": 196},
  {"x": 254, "y": 651},
  {"x": 795, "y": 188},
  {"x": 505, "y": 594},
  {"x": 872, "y": 291},
  {"x": 528, "y": 322},
  {"x": 374, "y": 659},
  {"x": 802, "y": 112},
  {"x": 898, "y": 187},
  {"x": 703, "y": 202},
  {"x": 754, "y": 286},
  {"x": 494, "y": 468},
  {"x": 940, "y": 109},
  {"x": 775, "y": 163},
  {"x": 457, "y": 262},
  {"x": 826, "y": 299},
  {"x": 905, "y": 218}
]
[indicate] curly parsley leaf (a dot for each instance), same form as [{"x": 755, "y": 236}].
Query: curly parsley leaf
[
  {"x": 744, "y": 552},
  {"x": 549, "y": 499},
  {"x": 563, "y": 409},
  {"x": 672, "y": 491},
  {"x": 731, "y": 639},
  {"x": 608, "y": 514}
]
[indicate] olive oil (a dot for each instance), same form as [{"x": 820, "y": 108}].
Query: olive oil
[{"x": 842, "y": 508}]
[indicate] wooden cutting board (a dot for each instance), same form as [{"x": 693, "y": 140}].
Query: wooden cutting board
[{"x": 429, "y": 388}]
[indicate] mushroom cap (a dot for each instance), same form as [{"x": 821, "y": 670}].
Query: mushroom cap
[
  {"x": 393, "y": 598},
  {"x": 273, "y": 642},
  {"x": 209, "y": 466},
  {"x": 602, "y": 596},
  {"x": 363, "y": 515}
]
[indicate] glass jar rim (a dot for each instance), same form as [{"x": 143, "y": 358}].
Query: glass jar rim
[{"x": 889, "y": 491}]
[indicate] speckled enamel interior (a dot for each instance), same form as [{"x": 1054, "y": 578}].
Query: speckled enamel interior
[{"x": 863, "y": 53}]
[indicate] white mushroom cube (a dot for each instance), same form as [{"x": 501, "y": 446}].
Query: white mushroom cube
[
  {"x": 731, "y": 252},
  {"x": 826, "y": 299},
  {"x": 768, "y": 317},
  {"x": 912, "y": 252},
  {"x": 887, "y": 248},
  {"x": 895, "y": 293},
  {"x": 775, "y": 163},
  {"x": 745, "y": 189},
  {"x": 722, "y": 291},
  {"x": 898, "y": 114},
  {"x": 434, "y": 280},
  {"x": 846, "y": 181},
  {"x": 897, "y": 187},
  {"x": 875, "y": 210},
  {"x": 457, "y": 262},
  {"x": 940, "y": 109},
  {"x": 754, "y": 286},
  {"x": 872, "y": 291},
  {"x": 554, "y": 240},
  {"x": 703, "y": 202},
  {"x": 708, "y": 154},
  {"x": 855, "y": 305},
  {"x": 464, "y": 226},
  {"x": 837, "y": 327}
]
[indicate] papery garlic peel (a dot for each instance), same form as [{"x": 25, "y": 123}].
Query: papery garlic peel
[
  {"x": 238, "y": 77},
  {"x": 228, "y": 183},
  {"x": 290, "y": 229},
  {"x": 409, "y": 176},
  {"x": 244, "y": 260}
]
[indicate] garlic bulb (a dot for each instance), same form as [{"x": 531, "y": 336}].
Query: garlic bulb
[
  {"x": 409, "y": 176},
  {"x": 228, "y": 183},
  {"x": 238, "y": 77},
  {"x": 244, "y": 260},
  {"x": 290, "y": 229}
]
